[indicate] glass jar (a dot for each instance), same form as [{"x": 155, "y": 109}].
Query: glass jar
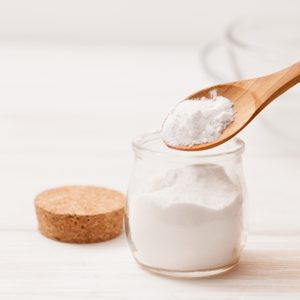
[{"x": 185, "y": 210}]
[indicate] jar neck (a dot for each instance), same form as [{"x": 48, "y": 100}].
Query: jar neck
[{"x": 151, "y": 146}]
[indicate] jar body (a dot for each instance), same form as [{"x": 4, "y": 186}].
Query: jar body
[{"x": 185, "y": 214}]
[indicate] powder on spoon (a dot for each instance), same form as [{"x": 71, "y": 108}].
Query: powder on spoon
[{"x": 198, "y": 121}]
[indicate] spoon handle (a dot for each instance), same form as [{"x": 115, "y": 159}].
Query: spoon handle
[{"x": 267, "y": 88}]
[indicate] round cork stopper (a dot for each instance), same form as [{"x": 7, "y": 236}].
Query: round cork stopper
[{"x": 80, "y": 214}]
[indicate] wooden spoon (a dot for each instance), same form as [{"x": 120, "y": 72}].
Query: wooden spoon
[{"x": 249, "y": 98}]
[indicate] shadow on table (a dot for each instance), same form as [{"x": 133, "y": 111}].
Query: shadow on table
[{"x": 258, "y": 270}]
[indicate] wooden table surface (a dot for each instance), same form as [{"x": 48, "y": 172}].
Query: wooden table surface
[{"x": 68, "y": 116}]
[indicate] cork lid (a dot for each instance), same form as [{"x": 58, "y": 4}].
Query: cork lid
[
  {"x": 80, "y": 214},
  {"x": 80, "y": 200}
]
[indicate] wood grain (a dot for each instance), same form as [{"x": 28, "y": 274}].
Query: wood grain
[{"x": 269, "y": 268}]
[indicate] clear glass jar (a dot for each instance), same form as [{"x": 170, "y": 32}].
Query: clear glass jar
[{"x": 185, "y": 210}]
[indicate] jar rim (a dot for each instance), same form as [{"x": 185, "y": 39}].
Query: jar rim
[{"x": 144, "y": 144}]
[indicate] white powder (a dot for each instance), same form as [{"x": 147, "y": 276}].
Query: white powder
[
  {"x": 200, "y": 121},
  {"x": 187, "y": 219}
]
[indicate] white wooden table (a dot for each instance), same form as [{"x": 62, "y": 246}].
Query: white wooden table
[{"x": 68, "y": 115}]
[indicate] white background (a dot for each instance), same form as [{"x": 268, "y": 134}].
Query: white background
[
  {"x": 167, "y": 21},
  {"x": 78, "y": 81}
]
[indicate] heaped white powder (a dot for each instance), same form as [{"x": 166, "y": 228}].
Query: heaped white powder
[
  {"x": 198, "y": 121},
  {"x": 187, "y": 219}
]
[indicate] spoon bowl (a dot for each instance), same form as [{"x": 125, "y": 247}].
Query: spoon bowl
[{"x": 249, "y": 98}]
